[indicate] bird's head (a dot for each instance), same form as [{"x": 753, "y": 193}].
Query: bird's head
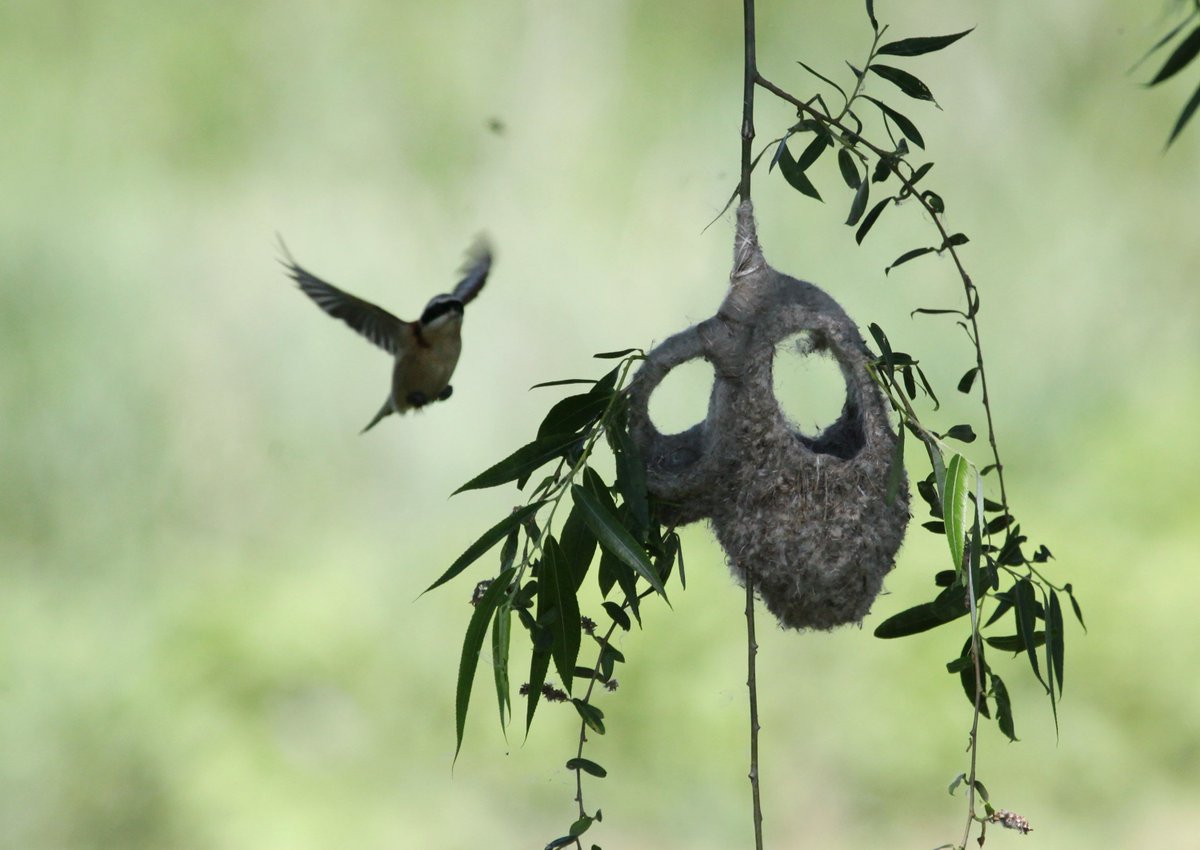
[{"x": 441, "y": 310}]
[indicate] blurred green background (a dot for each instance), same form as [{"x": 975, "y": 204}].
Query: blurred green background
[{"x": 209, "y": 633}]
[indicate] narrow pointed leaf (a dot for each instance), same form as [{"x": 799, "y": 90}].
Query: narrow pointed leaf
[
  {"x": 907, "y": 127},
  {"x": 587, "y": 766},
  {"x": 521, "y": 463},
  {"x": 861, "y": 196},
  {"x": 968, "y": 380},
  {"x": 956, "y": 507},
  {"x": 823, "y": 78},
  {"x": 1054, "y": 632},
  {"x": 895, "y": 471},
  {"x": 1004, "y": 715},
  {"x": 564, "y": 382},
  {"x": 794, "y": 174},
  {"x": 1024, "y": 599},
  {"x": 869, "y": 220},
  {"x": 1075, "y": 606},
  {"x": 809, "y": 156},
  {"x": 592, "y": 717},
  {"x": 631, "y": 476},
  {"x": 965, "y": 433},
  {"x": 871, "y": 15},
  {"x": 1179, "y": 58},
  {"x": 1162, "y": 42},
  {"x": 920, "y": 45},
  {"x": 904, "y": 81},
  {"x": 906, "y": 257},
  {"x": 1188, "y": 111},
  {"x": 558, "y": 609},
  {"x": 848, "y": 168},
  {"x": 616, "y": 355},
  {"x": 949, "y": 605},
  {"x": 539, "y": 664},
  {"x": 489, "y": 539},
  {"x": 472, "y": 645},
  {"x": 573, "y": 413},
  {"x": 618, "y": 615},
  {"x": 501, "y": 633},
  {"x": 614, "y": 537}
]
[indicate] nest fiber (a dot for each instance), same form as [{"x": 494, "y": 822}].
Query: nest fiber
[{"x": 808, "y": 516}]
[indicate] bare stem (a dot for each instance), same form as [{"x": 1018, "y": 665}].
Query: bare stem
[
  {"x": 751, "y": 75},
  {"x": 752, "y": 686}
]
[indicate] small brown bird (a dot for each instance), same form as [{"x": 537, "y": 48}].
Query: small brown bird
[{"x": 426, "y": 350}]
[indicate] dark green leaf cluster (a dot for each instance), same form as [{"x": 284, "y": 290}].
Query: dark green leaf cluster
[
  {"x": 844, "y": 131},
  {"x": 572, "y": 524},
  {"x": 1184, "y": 53},
  {"x": 989, "y": 560}
]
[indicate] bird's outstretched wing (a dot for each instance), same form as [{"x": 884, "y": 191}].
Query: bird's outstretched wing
[
  {"x": 479, "y": 263},
  {"x": 374, "y": 323}
]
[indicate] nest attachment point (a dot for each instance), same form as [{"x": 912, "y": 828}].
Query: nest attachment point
[{"x": 808, "y": 516}]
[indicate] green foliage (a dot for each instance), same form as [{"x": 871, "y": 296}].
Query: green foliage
[
  {"x": 541, "y": 575},
  {"x": 1184, "y": 53}
]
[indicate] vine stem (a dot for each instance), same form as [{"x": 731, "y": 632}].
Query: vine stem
[
  {"x": 752, "y": 686},
  {"x": 750, "y": 80}
]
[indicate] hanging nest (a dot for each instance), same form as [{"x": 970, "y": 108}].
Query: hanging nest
[{"x": 808, "y": 516}]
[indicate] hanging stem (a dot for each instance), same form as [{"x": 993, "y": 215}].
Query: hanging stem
[
  {"x": 751, "y": 76},
  {"x": 749, "y": 81}
]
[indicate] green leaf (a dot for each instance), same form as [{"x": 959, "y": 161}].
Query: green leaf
[
  {"x": 895, "y": 471},
  {"x": 1025, "y": 601},
  {"x": 574, "y": 413},
  {"x": 1014, "y": 643},
  {"x": 614, "y": 537},
  {"x": 539, "y": 663},
  {"x": 966, "y": 676},
  {"x": 501, "y": 634},
  {"x": 578, "y": 546},
  {"x": 955, "y": 239},
  {"x": 472, "y": 645},
  {"x": 592, "y": 717},
  {"x": 861, "y": 195},
  {"x": 958, "y": 780},
  {"x": 956, "y": 506},
  {"x": 871, "y": 15},
  {"x": 588, "y": 767},
  {"x": 920, "y": 45},
  {"x": 580, "y": 826},
  {"x": 968, "y": 380},
  {"x": 935, "y": 201},
  {"x": 907, "y": 127},
  {"x": 1075, "y": 606},
  {"x": 631, "y": 476},
  {"x": 1054, "y": 632},
  {"x": 618, "y": 615},
  {"x": 489, "y": 539},
  {"x": 907, "y": 256},
  {"x": 558, "y": 608},
  {"x": 962, "y": 432},
  {"x": 1179, "y": 58},
  {"x": 809, "y": 156},
  {"x": 616, "y": 355},
  {"x": 521, "y": 463},
  {"x": 885, "y": 348},
  {"x": 560, "y": 842},
  {"x": 949, "y": 605},
  {"x": 904, "y": 81},
  {"x": 869, "y": 221},
  {"x": 794, "y": 174},
  {"x": 823, "y": 79},
  {"x": 1004, "y": 714},
  {"x": 1188, "y": 111},
  {"x": 848, "y": 168},
  {"x": 564, "y": 382}
]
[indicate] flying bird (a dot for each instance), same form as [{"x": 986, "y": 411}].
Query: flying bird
[{"x": 426, "y": 351}]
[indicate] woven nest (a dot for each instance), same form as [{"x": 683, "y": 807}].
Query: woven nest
[{"x": 808, "y": 516}]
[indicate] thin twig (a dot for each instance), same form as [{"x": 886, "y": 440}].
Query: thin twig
[
  {"x": 752, "y": 686},
  {"x": 751, "y": 76},
  {"x": 750, "y": 79}
]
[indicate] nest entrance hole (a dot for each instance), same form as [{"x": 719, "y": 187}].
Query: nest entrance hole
[
  {"x": 808, "y": 383},
  {"x": 681, "y": 400}
]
